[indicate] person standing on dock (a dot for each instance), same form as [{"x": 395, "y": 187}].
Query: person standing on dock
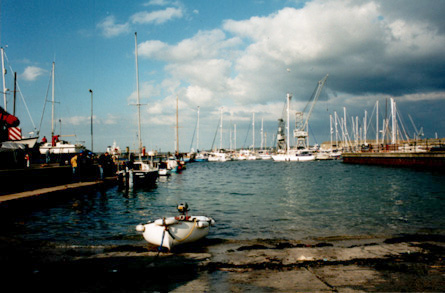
[
  {"x": 74, "y": 166},
  {"x": 104, "y": 165},
  {"x": 27, "y": 160}
]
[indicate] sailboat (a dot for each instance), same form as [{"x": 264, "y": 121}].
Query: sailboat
[
  {"x": 14, "y": 135},
  {"x": 219, "y": 155},
  {"x": 56, "y": 145},
  {"x": 138, "y": 172},
  {"x": 180, "y": 164}
]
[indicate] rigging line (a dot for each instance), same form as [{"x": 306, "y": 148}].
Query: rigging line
[
  {"x": 216, "y": 132},
  {"x": 313, "y": 135},
  {"x": 193, "y": 137},
  {"x": 248, "y": 130},
  {"x": 403, "y": 125},
  {"x": 370, "y": 120},
  {"x": 46, "y": 100},
  {"x": 21, "y": 94}
]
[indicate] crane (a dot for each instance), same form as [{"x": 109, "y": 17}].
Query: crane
[{"x": 301, "y": 124}]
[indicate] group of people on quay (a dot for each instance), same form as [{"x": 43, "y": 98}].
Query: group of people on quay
[{"x": 86, "y": 164}]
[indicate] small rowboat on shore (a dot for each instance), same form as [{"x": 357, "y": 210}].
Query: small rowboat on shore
[{"x": 173, "y": 231}]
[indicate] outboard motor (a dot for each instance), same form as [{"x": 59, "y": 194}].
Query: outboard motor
[{"x": 183, "y": 208}]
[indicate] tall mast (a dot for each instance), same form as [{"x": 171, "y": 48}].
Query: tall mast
[
  {"x": 177, "y": 124},
  {"x": 336, "y": 129},
  {"x": 288, "y": 125},
  {"x": 220, "y": 129},
  {"x": 197, "y": 135},
  {"x": 4, "y": 80},
  {"x": 52, "y": 106},
  {"x": 365, "y": 127},
  {"x": 377, "y": 123},
  {"x": 262, "y": 133},
  {"x": 345, "y": 127},
  {"x": 331, "y": 129},
  {"x": 393, "y": 122},
  {"x": 234, "y": 130},
  {"x": 137, "y": 89},
  {"x": 253, "y": 132}
]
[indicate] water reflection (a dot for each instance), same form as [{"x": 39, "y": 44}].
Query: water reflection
[{"x": 260, "y": 199}]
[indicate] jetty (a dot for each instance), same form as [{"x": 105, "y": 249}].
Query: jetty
[
  {"x": 403, "y": 159},
  {"x": 48, "y": 190}
]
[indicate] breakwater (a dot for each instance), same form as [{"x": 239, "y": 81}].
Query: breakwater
[{"x": 406, "y": 159}]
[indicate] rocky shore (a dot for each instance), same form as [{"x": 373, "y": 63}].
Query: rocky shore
[{"x": 336, "y": 264}]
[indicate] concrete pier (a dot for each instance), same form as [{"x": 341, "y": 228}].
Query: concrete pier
[
  {"x": 47, "y": 190},
  {"x": 405, "y": 159},
  {"x": 412, "y": 263}
]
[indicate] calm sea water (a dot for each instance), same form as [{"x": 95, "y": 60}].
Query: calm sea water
[{"x": 248, "y": 200}]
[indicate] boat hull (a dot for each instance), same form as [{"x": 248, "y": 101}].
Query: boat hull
[
  {"x": 170, "y": 232},
  {"x": 134, "y": 179},
  {"x": 61, "y": 148},
  {"x": 293, "y": 158}
]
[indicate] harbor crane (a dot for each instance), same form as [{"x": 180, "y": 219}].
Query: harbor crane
[{"x": 301, "y": 124}]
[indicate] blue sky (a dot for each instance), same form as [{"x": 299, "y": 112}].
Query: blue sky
[{"x": 243, "y": 56}]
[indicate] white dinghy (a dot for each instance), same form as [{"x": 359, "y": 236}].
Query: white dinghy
[{"x": 173, "y": 231}]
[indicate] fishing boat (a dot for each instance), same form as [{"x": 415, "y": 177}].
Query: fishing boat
[
  {"x": 163, "y": 169},
  {"x": 61, "y": 147},
  {"x": 173, "y": 231},
  {"x": 138, "y": 172}
]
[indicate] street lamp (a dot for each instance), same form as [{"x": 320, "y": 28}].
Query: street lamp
[{"x": 91, "y": 91}]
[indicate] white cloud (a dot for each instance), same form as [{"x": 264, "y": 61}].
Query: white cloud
[
  {"x": 109, "y": 120},
  {"x": 369, "y": 52},
  {"x": 204, "y": 45},
  {"x": 157, "y": 3},
  {"x": 77, "y": 120},
  {"x": 111, "y": 29},
  {"x": 146, "y": 92},
  {"x": 31, "y": 73},
  {"x": 157, "y": 17}
]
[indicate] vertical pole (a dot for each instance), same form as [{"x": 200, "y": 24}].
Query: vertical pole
[
  {"x": 262, "y": 133},
  {"x": 235, "y": 136},
  {"x": 52, "y": 107},
  {"x": 92, "y": 149},
  {"x": 197, "y": 135},
  {"x": 220, "y": 129},
  {"x": 15, "y": 91},
  {"x": 4, "y": 80},
  {"x": 377, "y": 124},
  {"x": 346, "y": 129},
  {"x": 137, "y": 89},
  {"x": 253, "y": 132},
  {"x": 177, "y": 125},
  {"x": 331, "y": 129},
  {"x": 393, "y": 122},
  {"x": 365, "y": 126},
  {"x": 288, "y": 125}
]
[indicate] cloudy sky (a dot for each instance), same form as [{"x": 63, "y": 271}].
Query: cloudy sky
[{"x": 241, "y": 56}]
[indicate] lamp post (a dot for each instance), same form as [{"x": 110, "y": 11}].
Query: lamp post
[{"x": 91, "y": 91}]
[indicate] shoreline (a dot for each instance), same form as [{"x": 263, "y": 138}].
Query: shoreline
[{"x": 399, "y": 263}]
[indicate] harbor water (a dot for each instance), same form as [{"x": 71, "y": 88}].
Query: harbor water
[{"x": 248, "y": 200}]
